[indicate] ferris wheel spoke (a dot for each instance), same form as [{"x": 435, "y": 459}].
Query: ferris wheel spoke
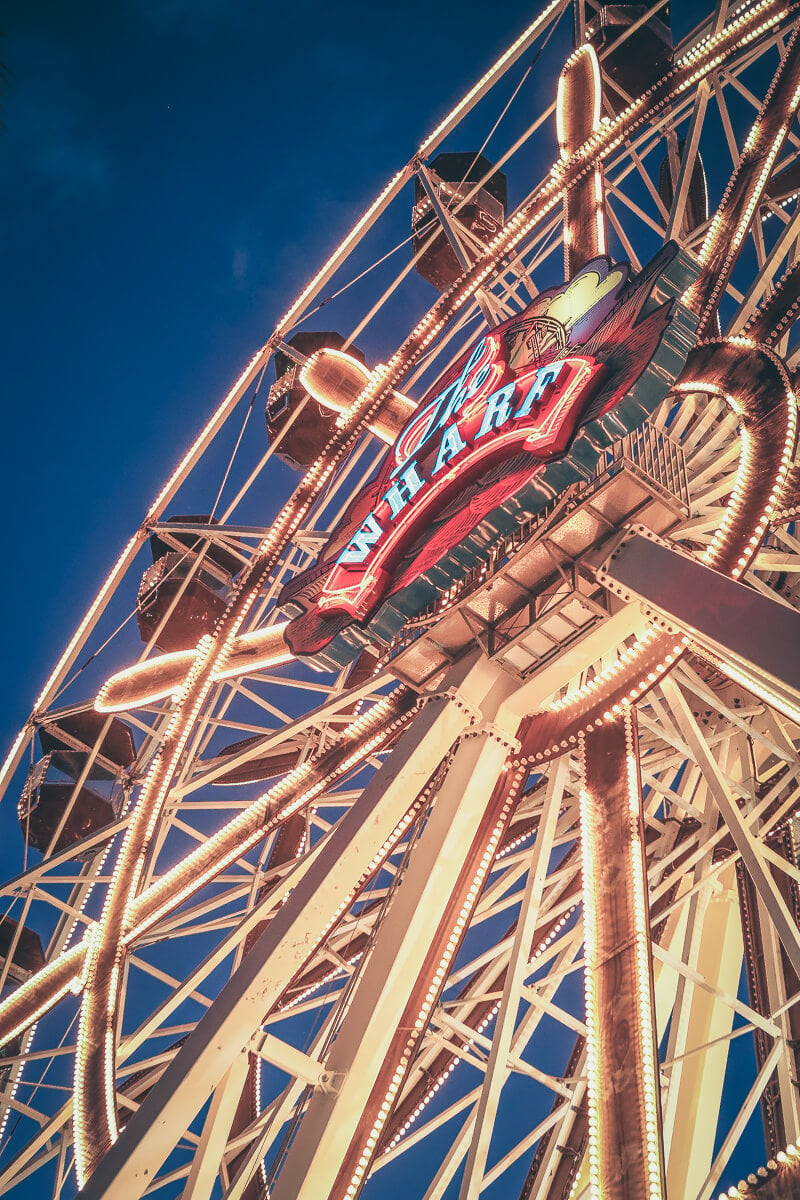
[
  {"x": 528, "y": 1026},
  {"x": 526, "y": 923},
  {"x": 222, "y": 871},
  {"x": 330, "y": 875}
]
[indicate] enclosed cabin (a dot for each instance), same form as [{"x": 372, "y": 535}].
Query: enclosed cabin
[
  {"x": 54, "y": 816},
  {"x": 297, "y": 424},
  {"x": 186, "y": 591},
  {"x": 478, "y": 213},
  {"x": 633, "y": 55},
  {"x": 23, "y": 947}
]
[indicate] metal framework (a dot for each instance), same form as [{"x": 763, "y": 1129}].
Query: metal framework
[{"x": 509, "y": 906}]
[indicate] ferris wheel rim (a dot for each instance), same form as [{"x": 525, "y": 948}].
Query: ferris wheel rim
[{"x": 268, "y": 343}]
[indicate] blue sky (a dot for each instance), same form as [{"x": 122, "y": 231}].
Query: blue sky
[{"x": 173, "y": 173}]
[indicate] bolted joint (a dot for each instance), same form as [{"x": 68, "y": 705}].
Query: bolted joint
[
  {"x": 489, "y": 729},
  {"x": 453, "y": 695}
]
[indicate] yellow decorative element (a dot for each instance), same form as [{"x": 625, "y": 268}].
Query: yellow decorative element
[{"x": 336, "y": 380}]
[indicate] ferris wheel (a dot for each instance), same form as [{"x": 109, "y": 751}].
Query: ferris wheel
[{"x": 419, "y": 817}]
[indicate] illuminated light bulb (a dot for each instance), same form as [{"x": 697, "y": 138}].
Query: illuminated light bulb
[{"x": 749, "y": 35}]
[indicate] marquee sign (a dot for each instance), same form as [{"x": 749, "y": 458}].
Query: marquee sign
[
  {"x": 471, "y": 424},
  {"x": 510, "y": 406}
]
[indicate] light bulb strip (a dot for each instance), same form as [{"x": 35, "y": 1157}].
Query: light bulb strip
[
  {"x": 251, "y": 372},
  {"x": 778, "y": 310},
  {"x": 154, "y": 903},
  {"x": 745, "y": 191},
  {"x": 37, "y": 995},
  {"x": 370, "y": 731},
  {"x": 785, "y": 1164},
  {"x": 131, "y": 549},
  {"x": 422, "y": 802},
  {"x": 416, "y": 1102},
  {"x": 427, "y": 989},
  {"x": 709, "y": 54},
  {"x": 766, "y": 404},
  {"x": 577, "y": 117},
  {"x": 481, "y": 1012},
  {"x": 420, "y": 805},
  {"x": 618, "y": 966},
  {"x": 93, "y": 1084},
  {"x": 286, "y": 1001},
  {"x": 68, "y": 971}
]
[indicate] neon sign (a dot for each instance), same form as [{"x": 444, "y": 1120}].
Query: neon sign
[
  {"x": 486, "y": 413},
  {"x": 496, "y": 420}
]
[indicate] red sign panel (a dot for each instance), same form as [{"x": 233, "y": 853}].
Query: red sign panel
[
  {"x": 511, "y": 405},
  {"x": 486, "y": 414}
]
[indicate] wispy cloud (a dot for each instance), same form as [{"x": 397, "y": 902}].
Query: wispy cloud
[
  {"x": 73, "y": 165},
  {"x": 49, "y": 137},
  {"x": 240, "y": 266},
  {"x": 204, "y": 16}
]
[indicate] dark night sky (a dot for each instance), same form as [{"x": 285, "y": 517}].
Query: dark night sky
[{"x": 173, "y": 171}]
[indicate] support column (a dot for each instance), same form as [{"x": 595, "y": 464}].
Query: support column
[
  {"x": 404, "y": 970},
  {"x": 578, "y": 113},
  {"x": 285, "y": 946},
  {"x": 625, "y": 1153},
  {"x": 771, "y": 983},
  {"x": 702, "y": 1023}
]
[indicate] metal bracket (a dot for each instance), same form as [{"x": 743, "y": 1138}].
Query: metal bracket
[
  {"x": 490, "y": 729},
  {"x": 454, "y": 696}
]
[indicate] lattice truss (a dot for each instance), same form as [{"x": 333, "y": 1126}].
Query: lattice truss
[{"x": 331, "y": 932}]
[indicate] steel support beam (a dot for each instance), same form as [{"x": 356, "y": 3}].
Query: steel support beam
[
  {"x": 746, "y": 843},
  {"x": 697, "y": 1072},
  {"x": 787, "y": 239},
  {"x": 692, "y": 140},
  {"x": 517, "y": 969},
  {"x": 602, "y": 640},
  {"x": 205, "y": 1164},
  {"x": 779, "y": 997},
  {"x": 449, "y": 226},
  {"x": 751, "y": 636},
  {"x": 399, "y": 958},
  {"x": 227, "y": 1027},
  {"x": 625, "y": 1155}
]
